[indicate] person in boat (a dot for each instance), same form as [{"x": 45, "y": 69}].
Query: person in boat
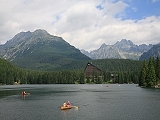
[
  {"x": 23, "y": 93},
  {"x": 64, "y": 104},
  {"x": 68, "y": 104}
]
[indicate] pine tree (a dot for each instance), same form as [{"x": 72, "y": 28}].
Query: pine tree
[
  {"x": 82, "y": 76},
  {"x": 143, "y": 74},
  {"x": 88, "y": 80},
  {"x": 151, "y": 75},
  {"x": 105, "y": 76},
  {"x": 157, "y": 69}
]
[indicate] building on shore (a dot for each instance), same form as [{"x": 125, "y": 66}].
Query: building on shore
[{"x": 90, "y": 69}]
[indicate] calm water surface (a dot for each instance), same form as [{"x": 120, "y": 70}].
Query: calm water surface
[{"x": 95, "y": 102}]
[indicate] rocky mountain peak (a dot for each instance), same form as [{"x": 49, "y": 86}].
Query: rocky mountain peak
[
  {"x": 124, "y": 42},
  {"x": 40, "y": 32},
  {"x": 103, "y": 45},
  {"x": 125, "y": 45},
  {"x": 32, "y": 37},
  {"x": 124, "y": 49},
  {"x": 39, "y": 49},
  {"x": 17, "y": 38}
]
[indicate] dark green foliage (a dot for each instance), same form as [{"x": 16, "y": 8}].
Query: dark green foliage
[
  {"x": 88, "y": 80},
  {"x": 157, "y": 69},
  {"x": 143, "y": 74},
  {"x": 10, "y": 74},
  {"x": 128, "y": 72},
  {"x": 117, "y": 64},
  {"x": 82, "y": 78},
  {"x": 149, "y": 76},
  {"x": 119, "y": 70}
]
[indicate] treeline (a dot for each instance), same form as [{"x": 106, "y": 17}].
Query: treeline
[
  {"x": 150, "y": 73},
  {"x": 7, "y": 72},
  {"x": 10, "y": 74},
  {"x": 119, "y": 70},
  {"x": 122, "y": 77},
  {"x": 127, "y": 72},
  {"x": 115, "y": 65}
]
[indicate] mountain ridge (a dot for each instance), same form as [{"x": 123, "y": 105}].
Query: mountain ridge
[
  {"x": 124, "y": 49},
  {"x": 39, "y": 50},
  {"x": 153, "y": 52}
]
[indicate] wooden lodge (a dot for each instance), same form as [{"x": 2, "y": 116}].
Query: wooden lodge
[{"x": 90, "y": 69}]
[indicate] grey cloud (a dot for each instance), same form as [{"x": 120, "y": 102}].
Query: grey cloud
[{"x": 79, "y": 22}]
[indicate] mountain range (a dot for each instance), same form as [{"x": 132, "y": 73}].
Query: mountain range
[
  {"x": 154, "y": 52},
  {"x": 124, "y": 49},
  {"x": 41, "y": 51}
]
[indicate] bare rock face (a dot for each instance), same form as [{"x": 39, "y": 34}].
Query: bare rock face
[{"x": 124, "y": 49}]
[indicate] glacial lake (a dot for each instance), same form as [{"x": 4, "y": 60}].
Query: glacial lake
[{"x": 94, "y": 101}]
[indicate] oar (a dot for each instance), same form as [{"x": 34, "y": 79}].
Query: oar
[{"x": 75, "y": 106}]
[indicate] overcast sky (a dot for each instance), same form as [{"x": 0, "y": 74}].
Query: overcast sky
[{"x": 85, "y": 24}]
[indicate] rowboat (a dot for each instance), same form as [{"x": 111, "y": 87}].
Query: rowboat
[
  {"x": 65, "y": 107},
  {"x": 23, "y": 94},
  {"x": 68, "y": 107}
]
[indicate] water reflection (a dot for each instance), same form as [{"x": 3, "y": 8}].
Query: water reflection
[{"x": 23, "y": 97}]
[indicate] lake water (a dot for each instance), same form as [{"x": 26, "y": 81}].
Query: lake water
[{"x": 95, "y": 102}]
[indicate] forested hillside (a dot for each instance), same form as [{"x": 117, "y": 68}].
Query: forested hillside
[
  {"x": 119, "y": 70},
  {"x": 113, "y": 71},
  {"x": 10, "y": 74},
  {"x": 117, "y": 64}
]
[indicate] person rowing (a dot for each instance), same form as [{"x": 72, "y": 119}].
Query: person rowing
[
  {"x": 64, "y": 104},
  {"x": 68, "y": 104},
  {"x": 24, "y": 93}
]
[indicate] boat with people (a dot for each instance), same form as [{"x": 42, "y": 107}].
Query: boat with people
[
  {"x": 66, "y": 106},
  {"x": 24, "y": 93}
]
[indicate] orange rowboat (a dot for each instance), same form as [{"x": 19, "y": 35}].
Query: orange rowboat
[
  {"x": 68, "y": 107},
  {"x": 65, "y": 107}
]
